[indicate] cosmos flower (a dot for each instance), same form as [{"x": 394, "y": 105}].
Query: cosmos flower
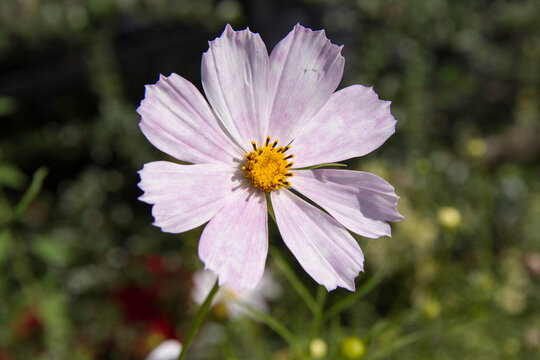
[
  {"x": 230, "y": 300},
  {"x": 260, "y": 111}
]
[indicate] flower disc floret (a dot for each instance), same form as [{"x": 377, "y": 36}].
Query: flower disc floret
[{"x": 267, "y": 166}]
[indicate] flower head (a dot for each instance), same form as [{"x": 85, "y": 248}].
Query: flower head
[{"x": 260, "y": 110}]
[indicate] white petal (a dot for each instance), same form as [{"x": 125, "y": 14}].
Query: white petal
[
  {"x": 234, "y": 76},
  {"x": 177, "y": 120},
  {"x": 353, "y": 123},
  {"x": 234, "y": 244},
  {"x": 360, "y": 201},
  {"x": 167, "y": 350},
  {"x": 323, "y": 247},
  {"x": 305, "y": 69},
  {"x": 203, "y": 282},
  {"x": 186, "y": 196}
]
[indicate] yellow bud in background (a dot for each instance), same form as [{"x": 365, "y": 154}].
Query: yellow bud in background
[
  {"x": 318, "y": 348},
  {"x": 431, "y": 308},
  {"x": 353, "y": 348},
  {"x": 449, "y": 217},
  {"x": 476, "y": 147}
]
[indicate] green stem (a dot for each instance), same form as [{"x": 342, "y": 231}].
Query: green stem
[
  {"x": 277, "y": 327},
  {"x": 398, "y": 344},
  {"x": 201, "y": 314},
  {"x": 270, "y": 208},
  {"x": 295, "y": 281},
  {"x": 22, "y": 267},
  {"x": 35, "y": 295},
  {"x": 318, "y": 319},
  {"x": 349, "y": 300},
  {"x": 29, "y": 196}
]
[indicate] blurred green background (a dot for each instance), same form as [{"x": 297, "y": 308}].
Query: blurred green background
[{"x": 86, "y": 276}]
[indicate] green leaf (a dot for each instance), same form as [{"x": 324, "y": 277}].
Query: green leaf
[
  {"x": 50, "y": 251},
  {"x": 53, "y": 305},
  {"x": 30, "y": 194},
  {"x": 11, "y": 177}
]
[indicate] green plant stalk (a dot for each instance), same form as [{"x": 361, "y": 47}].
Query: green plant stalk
[
  {"x": 55, "y": 338},
  {"x": 318, "y": 318},
  {"x": 270, "y": 208},
  {"x": 22, "y": 267},
  {"x": 398, "y": 344},
  {"x": 278, "y": 328},
  {"x": 199, "y": 318},
  {"x": 295, "y": 281},
  {"x": 348, "y": 301},
  {"x": 29, "y": 196}
]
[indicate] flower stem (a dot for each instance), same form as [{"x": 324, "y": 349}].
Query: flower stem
[
  {"x": 28, "y": 197},
  {"x": 318, "y": 318},
  {"x": 302, "y": 291},
  {"x": 349, "y": 300},
  {"x": 276, "y": 325},
  {"x": 201, "y": 314}
]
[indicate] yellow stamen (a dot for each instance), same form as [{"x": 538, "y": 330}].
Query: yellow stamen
[{"x": 267, "y": 166}]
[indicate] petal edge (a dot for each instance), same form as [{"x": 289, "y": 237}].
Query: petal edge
[
  {"x": 234, "y": 72},
  {"x": 324, "y": 248},
  {"x": 185, "y": 196},
  {"x": 352, "y": 123},
  {"x": 305, "y": 69},
  {"x": 177, "y": 120},
  {"x": 360, "y": 201}
]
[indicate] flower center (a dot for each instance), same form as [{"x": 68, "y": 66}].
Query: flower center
[{"x": 267, "y": 166}]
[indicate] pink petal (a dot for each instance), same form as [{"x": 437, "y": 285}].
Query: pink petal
[
  {"x": 360, "y": 201},
  {"x": 305, "y": 69},
  {"x": 323, "y": 247},
  {"x": 234, "y": 76},
  {"x": 177, "y": 120},
  {"x": 234, "y": 244},
  {"x": 186, "y": 196},
  {"x": 353, "y": 123}
]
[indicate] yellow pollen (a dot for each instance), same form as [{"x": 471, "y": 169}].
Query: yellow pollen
[{"x": 267, "y": 166}]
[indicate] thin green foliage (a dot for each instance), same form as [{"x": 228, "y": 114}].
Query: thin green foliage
[
  {"x": 198, "y": 320},
  {"x": 29, "y": 196}
]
